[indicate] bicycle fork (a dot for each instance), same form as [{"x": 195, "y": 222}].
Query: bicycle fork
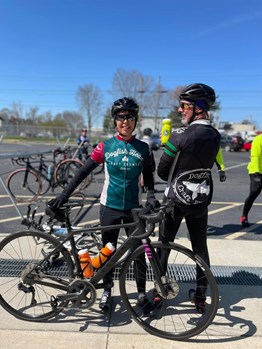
[{"x": 158, "y": 271}]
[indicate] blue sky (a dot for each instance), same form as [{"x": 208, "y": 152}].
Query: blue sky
[{"x": 50, "y": 47}]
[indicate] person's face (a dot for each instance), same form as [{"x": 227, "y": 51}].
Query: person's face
[
  {"x": 125, "y": 124},
  {"x": 186, "y": 110}
]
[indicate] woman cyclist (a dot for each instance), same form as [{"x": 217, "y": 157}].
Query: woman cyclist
[{"x": 125, "y": 158}]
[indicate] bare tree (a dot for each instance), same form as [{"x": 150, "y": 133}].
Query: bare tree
[
  {"x": 17, "y": 110},
  {"x": 128, "y": 84},
  {"x": 73, "y": 120},
  {"x": 89, "y": 99},
  {"x": 32, "y": 114}
]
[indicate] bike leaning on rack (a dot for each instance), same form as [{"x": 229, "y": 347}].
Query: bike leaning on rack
[
  {"x": 39, "y": 277},
  {"x": 39, "y": 175}
]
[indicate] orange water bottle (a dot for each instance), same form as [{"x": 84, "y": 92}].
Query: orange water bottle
[
  {"x": 166, "y": 131},
  {"x": 86, "y": 263},
  {"x": 103, "y": 255}
]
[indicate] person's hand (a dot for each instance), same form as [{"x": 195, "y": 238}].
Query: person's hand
[
  {"x": 222, "y": 175},
  {"x": 151, "y": 200},
  {"x": 257, "y": 179},
  {"x": 57, "y": 202}
]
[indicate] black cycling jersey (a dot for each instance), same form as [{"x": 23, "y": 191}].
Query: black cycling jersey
[{"x": 198, "y": 145}]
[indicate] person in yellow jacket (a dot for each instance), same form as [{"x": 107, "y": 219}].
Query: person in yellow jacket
[
  {"x": 221, "y": 166},
  {"x": 255, "y": 173}
]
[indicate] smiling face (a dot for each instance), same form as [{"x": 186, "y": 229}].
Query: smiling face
[
  {"x": 125, "y": 124},
  {"x": 186, "y": 110}
]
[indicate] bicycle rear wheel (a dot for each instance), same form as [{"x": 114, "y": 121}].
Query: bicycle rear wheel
[
  {"x": 24, "y": 185},
  {"x": 176, "y": 318},
  {"x": 32, "y": 298},
  {"x": 66, "y": 170}
]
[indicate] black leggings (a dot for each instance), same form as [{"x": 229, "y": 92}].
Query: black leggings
[
  {"x": 196, "y": 221},
  {"x": 110, "y": 216},
  {"x": 255, "y": 190}
]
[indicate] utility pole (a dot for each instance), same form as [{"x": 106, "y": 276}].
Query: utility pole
[
  {"x": 158, "y": 99},
  {"x": 141, "y": 91}
]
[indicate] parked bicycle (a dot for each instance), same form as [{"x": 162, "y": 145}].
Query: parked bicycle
[
  {"x": 84, "y": 156},
  {"x": 92, "y": 240},
  {"x": 39, "y": 175},
  {"x": 39, "y": 277}
]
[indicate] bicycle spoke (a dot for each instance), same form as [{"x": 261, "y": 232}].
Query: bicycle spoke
[
  {"x": 22, "y": 296},
  {"x": 176, "y": 317}
]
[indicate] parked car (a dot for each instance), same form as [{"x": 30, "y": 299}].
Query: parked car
[
  {"x": 238, "y": 143},
  {"x": 227, "y": 142},
  {"x": 247, "y": 146},
  {"x": 156, "y": 141},
  {"x": 231, "y": 143}
]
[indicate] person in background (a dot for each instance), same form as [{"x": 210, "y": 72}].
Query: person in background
[
  {"x": 147, "y": 133},
  {"x": 125, "y": 158},
  {"x": 255, "y": 174},
  {"x": 196, "y": 146},
  {"x": 83, "y": 142}
]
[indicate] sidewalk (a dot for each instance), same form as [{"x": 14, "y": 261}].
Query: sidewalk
[{"x": 238, "y": 323}]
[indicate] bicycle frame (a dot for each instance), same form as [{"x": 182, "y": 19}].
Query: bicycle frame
[{"x": 138, "y": 233}]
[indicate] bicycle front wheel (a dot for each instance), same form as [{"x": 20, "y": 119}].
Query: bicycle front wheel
[
  {"x": 176, "y": 317},
  {"x": 66, "y": 170},
  {"x": 24, "y": 185},
  {"x": 33, "y": 298}
]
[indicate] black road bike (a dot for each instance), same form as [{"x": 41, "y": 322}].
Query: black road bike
[
  {"x": 38, "y": 175},
  {"x": 39, "y": 277}
]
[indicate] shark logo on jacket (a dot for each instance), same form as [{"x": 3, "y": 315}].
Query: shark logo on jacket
[{"x": 191, "y": 187}]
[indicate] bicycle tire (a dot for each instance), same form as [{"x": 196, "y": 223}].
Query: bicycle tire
[
  {"x": 27, "y": 192},
  {"x": 19, "y": 254},
  {"x": 176, "y": 318},
  {"x": 66, "y": 170}
]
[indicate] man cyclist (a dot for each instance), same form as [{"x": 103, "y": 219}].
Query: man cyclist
[
  {"x": 125, "y": 158},
  {"x": 195, "y": 146}
]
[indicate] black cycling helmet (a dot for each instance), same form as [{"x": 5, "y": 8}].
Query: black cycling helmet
[
  {"x": 126, "y": 103},
  {"x": 148, "y": 131},
  {"x": 198, "y": 93}
]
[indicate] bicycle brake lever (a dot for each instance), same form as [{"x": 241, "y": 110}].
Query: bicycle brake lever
[
  {"x": 34, "y": 212},
  {"x": 28, "y": 211},
  {"x": 40, "y": 220}
]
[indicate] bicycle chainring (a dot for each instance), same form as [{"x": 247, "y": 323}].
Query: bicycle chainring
[{"x": 86, "y": 294}]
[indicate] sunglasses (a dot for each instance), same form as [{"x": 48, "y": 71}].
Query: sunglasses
[
  {"x": 185, "y": 106},
  {"x": 124, "y": 117}
]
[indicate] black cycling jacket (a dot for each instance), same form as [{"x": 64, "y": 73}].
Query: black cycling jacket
[{"x": 198, "y": 145}]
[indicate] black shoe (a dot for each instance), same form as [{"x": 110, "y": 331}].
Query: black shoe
[
  {"x": 105, "y": 301},
  {"x": 198, "y": 301},
  {"x": 146, "y": 305}
]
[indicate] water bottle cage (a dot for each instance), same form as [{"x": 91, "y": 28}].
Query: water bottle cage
[{"x": 100, "y": 258}]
